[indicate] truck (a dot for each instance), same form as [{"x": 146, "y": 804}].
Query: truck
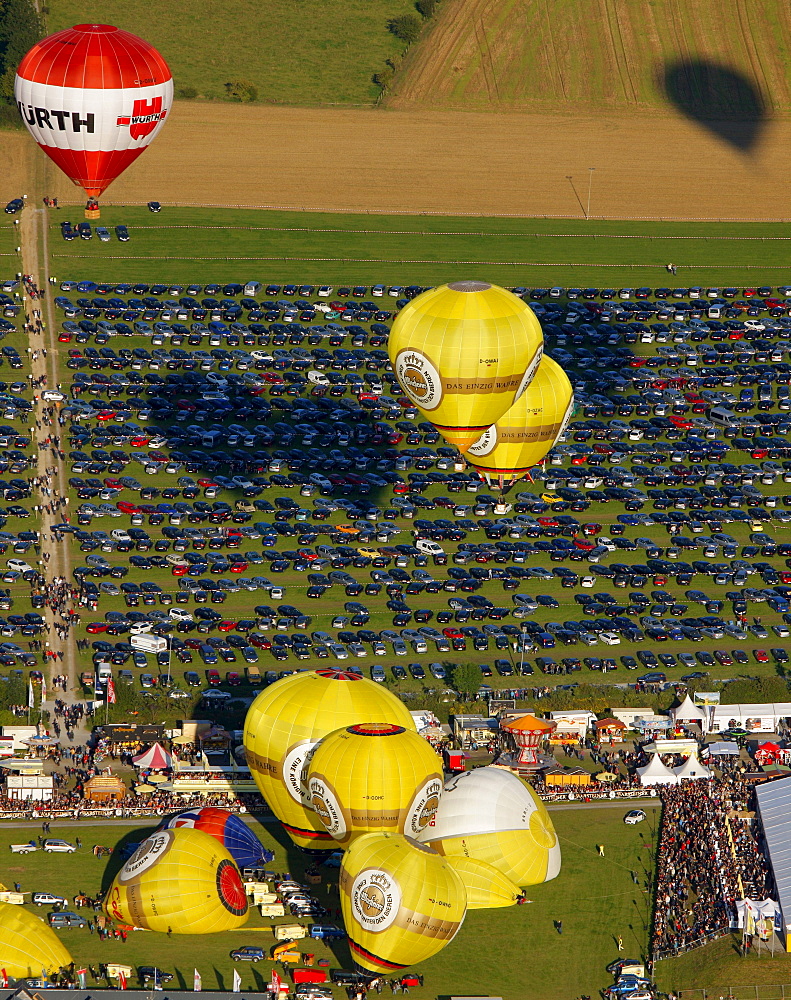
[
  {"x": 309, "y": 976},
  {"x": 326, "y": 932},
  {"x": 253, "y": 675}
]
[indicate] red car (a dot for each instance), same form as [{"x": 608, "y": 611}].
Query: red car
[
  {"x": 761, "y": 656},
  {"x": 233, "y": 678},
  {"x": 213, "y": 677},
  {"x": 452, "y": 633},
  {"x": 94, "y": 628},
  {"x": 227, "y": 626}
]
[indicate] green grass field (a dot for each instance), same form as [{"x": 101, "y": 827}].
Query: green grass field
[
  {"x": 187, "y": 245},
  {"x": 594, "y": 898},
  {"x": 294, "y": 51}
]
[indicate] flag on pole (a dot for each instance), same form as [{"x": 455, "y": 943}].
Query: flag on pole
[
  {"x": 110, "y": 691},
  {"x": 196, "y": 982},
  {"x": 237, "y": 982},
  {"x": 4, "y": 978},
  {"x": 82, "y": 975},
  {"x": 122, "y": 979},
  {"x": 274, "y": 985},
  {"x": 43, "y": 689},
  {"x": 30, "y": 698}
]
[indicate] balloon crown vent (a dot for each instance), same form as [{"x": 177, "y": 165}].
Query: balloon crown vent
[{"x": 469, "y": 286}]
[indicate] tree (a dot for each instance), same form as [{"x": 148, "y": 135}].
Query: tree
[
  {"x": 20, "y": 29},
  {"x": 466, "y": 678},
  {"x": 426, "y": 8},
  {"x": 242, "y": 90},
  {"x": 406, "y": 27}
]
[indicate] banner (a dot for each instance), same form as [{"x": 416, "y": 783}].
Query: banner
[
  {"x": 237, "y": 982},
  {"x": 30, "y": 699},
  {"x": 43, "y": 690},
  {"x": 82, "y": 976},
  {"x": 274, "y": 985},
  {"x": 196, "y": 982},
  {"x": 122, "y": 979},
  {"x": 4, "y": 978},
  {"x": 110, "y": 691}
]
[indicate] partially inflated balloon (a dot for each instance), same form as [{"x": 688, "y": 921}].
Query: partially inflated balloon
[
  {"x": 486, "y": 887},
  {"x": 374, "y": 777},
  {"x": 93, "y": 97},
  {"x": 27, "y": 946},
  {"x": 401, "y": 902},
  {"x": 182, "y": 881},
  {"x": 524, "y": 434},
  {"x": 491, "y": 815},
  {"x": 464, "y": 353},
  {"x": 287, "y": 720},
  {"x": 232, "y": 832}
]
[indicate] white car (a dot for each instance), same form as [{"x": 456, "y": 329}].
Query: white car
[
  {"x": 633, "y": 817},
  {"x": 19, "y": 566},
  {"x": 179, "y": 615},
  {"x": 58, "y": 847},
  {"x": 48, "y": 899}
]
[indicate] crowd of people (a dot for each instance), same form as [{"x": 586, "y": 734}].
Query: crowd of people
[{"x": 707, "y": 859}]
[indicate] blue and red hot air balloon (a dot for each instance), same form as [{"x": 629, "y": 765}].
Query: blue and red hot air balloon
[{"x": 237, "y": 838}]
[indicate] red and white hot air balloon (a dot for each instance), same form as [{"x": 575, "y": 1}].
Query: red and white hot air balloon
[{"x": 93, "y": 97}]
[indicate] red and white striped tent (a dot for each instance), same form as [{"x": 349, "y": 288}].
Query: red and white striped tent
[{"x": 153, "y": 759}]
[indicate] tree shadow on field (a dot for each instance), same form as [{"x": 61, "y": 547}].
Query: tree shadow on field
[{"x": 719, "y": 98}]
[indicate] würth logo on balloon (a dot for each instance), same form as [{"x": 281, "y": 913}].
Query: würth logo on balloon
[{"x": 145, "y": 117}]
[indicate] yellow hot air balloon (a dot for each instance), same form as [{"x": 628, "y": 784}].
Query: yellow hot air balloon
[
  {"x": 374, "y": 777},
  {"x": 464, "y": 353},
  {"x": 524, "y": 434},
  {"x": 491, "y": 815},
  {"x": 28, "y": 946},
  {"x": 401, "y": 902},
  {"x": 486, "y": 887},
  {"x": 285, "y": 723},
  {"x": 180, "y": 880}
]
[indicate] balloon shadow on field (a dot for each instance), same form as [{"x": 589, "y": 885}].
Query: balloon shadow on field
[
  {"x": 122, "y": 851},
  {"x": 721, "y": 99}
]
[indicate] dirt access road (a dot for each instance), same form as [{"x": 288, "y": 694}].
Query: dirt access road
[
  {"x": 55, "y": 562},
  {"x": 380, "y": 160}
]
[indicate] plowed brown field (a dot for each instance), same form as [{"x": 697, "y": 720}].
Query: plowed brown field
[
  {"x": 451, "y": 162},
  {"x": 596, "y": 54}
]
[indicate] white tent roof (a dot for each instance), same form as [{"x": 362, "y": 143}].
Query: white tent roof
[
  {"x": 759, "y": 908},
  {"x": 691, "y": 769},
  {"x": 656, "y": 773},
  {"x": 724, "y": 749},
  {"x": 688, "y": 712},
  {"x": 774, "y": 806}
]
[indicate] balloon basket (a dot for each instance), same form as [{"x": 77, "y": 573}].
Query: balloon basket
[
  {"x": 93, "y": 213},
  {"x": 314, "y": 879}
]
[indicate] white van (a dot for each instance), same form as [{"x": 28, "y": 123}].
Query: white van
[
  {"x": 429, "y": 548},
  {"x": 252, "y": 288}
]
